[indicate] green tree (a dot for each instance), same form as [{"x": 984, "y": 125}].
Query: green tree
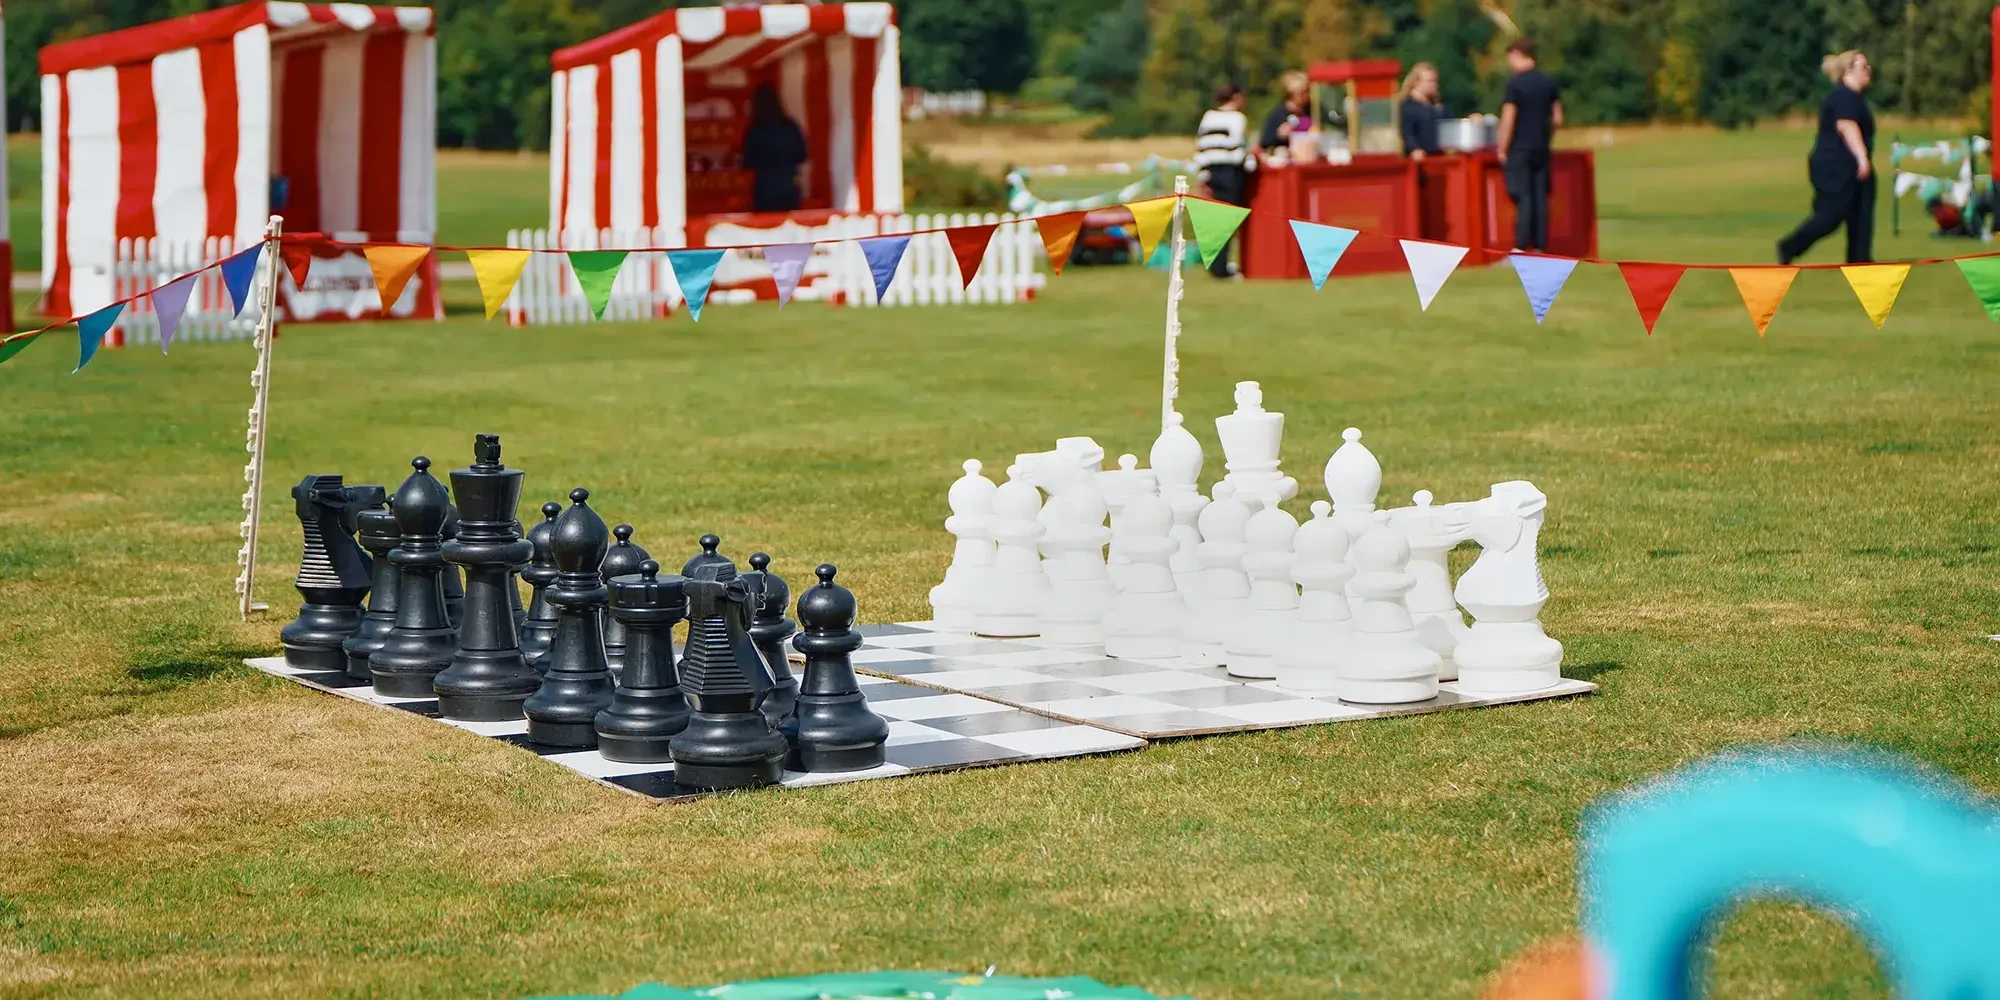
[
  {"x": 963, "y": 45},
  {"x": 493, "y": 86},
  {"x": 1761, "y": 59},
  {"x": 1108, "y": 63}
]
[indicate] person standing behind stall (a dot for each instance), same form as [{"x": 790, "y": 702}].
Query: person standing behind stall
[
  {"x": 773, "y": 150},
  {"x": 1421, "y": 112},
  {"x": 1293, "y": 114},
  {"x": 1530, "y": 113},
  {"x": 1841, "y": 165},
  {"x": 1221, "y": 150}
]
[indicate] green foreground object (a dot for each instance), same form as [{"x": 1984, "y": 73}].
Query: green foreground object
[{"x": 891, "y": 986}]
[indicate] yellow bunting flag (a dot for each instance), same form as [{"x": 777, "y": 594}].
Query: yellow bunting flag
[
  {"x": 1762, "y": 289},
  {"x": 1151, "y": 218},
  {"x": 497, "y": 271},
  {"x": 1877, "y": 286},
  {"x": 393, "y": 267}
]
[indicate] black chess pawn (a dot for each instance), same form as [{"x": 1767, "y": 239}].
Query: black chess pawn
[
  {"x": 727, "y": 743},
  {"x": 707, "y": 557},
  {"x": 540, "y": 629},
  {"x": 488, "y": 679},
  {"x": 421, "y": 644},
  {"x": 577, "y": 684},
  {"x": 378, "y": 535},
  {"x": 454, "y": 588},
  {"x": 833, "y": 728},
  {"x": 648, "y": 710},
  {"x": 769, "y": 628},
  {"x": 334, "y": 576},
  {"x": 622, "y": 559}
]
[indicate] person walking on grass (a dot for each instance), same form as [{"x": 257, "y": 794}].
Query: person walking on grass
[
  {"x": 1530, "y": 114},
  {"x": 1221, "y": 150},
  {"x": 1841, "y": 165}
]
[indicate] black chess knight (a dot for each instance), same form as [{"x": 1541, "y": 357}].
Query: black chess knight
[
  {"x": 622, "y": 559},
  {"x": 648, "y": 710},
  {"x": 833, "y": 729},
  {"x": 334, "y": 576},
  {"x": 421, "y": 644},
  {"x": 488, "y": 679},
  {"x": 378, "y": 534},
  {"x": 577, "y": 684},
  {"x": 728, "y": 743},
  {"x": 540, "y": 629},
  {"x": 769, "y": 628}
]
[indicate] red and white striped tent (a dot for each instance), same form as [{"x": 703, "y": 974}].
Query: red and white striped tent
[
  {"x": 181, "y": 130},
  {"x": 648, "y": 120}
]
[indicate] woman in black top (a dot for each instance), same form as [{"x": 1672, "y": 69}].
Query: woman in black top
[
  {"x": 1293, "y": 114},
  {"x": 774, "y": 149},
  {"x": 1421, "y": 112},
  {"x": 1840, "y": 165}
]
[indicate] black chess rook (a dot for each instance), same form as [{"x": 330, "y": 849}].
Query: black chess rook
[
  {"x": 769, "y": 628},
  {"x": 833, "y": 729},
  {"x": 648, "y": 710},
  {"x": 540, "y": 629},
  {"x": 488, "y": 679},
  {"x": 378, "y": 534},
  {"x": 622, "y": 559},
  {"x": 728, "y": 743},
  {"x": 421, "y": 644},
  {"x": 334, "y": 576},
  {"x": 577, "y": 684}
]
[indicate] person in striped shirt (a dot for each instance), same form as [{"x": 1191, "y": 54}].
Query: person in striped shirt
[{"x": 1221, "y": 150}]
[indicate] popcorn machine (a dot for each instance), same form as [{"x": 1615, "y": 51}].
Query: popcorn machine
[{"x": 1355, "y": 107}]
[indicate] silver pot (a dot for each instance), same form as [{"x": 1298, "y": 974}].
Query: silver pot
[{"x": 1467, "y": 134}]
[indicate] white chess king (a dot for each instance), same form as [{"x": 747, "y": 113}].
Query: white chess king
[
  {"x": 1506, "y": 651},
  {"x": 1250, "y": 440},
  {"x": 955, "y": 601}
]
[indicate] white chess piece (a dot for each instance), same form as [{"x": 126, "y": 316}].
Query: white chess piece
[
  {"x": 1432, "y": 533},
  {"x": 1119, "y": 486},
  {"x": 1506, "y": 651},
  {"x": 1224, "y": 589},
  {"x": 1353, "y": 478},
  {"x": 1384, "y": 663},
  {"x": 1080, "y": 590},
  {"x": 1148, "y": 616},
  {"x": 1176, "y": 460},
  {"x": 1015, "y": 592},
  {"x": 1251, "y": 648},
  {"x": 1250, "y": 440},
  {"x": 955, "y": 601},
  {"x": 1319, "y": 564}
]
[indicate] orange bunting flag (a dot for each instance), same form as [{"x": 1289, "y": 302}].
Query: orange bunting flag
[
  {"x": 1651, "y": 285},
  {"x": 968, "y": 247},
  {"x": 497, "y": 271},
  {"x": 1763, "y": 288},
  {"x": 1059, "y": 234},
  {"x": 1877, "y": 286},
  {"x": 394, "y": 266},
  {"x": 1151, "y": 217}
]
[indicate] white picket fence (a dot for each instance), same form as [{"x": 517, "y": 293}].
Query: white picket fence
[
  {"x": 141, "y": 265},
  {"x": 954, "y": 104}
]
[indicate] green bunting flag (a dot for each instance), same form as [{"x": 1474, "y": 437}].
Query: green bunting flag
[
  {"x": 595, "y": 272},
  {"x": 9, "y": 348},
  {"x": 1983, "y": 274},
  {"x": 1214, "y": 223}
]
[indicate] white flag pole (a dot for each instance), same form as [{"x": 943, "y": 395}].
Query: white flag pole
[
  {"x": 1171, "y": 380},
  {"x": 260, "y": 380}
]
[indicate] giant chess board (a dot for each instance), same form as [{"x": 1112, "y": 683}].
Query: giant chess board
[{"x": 1140, "y": 698}]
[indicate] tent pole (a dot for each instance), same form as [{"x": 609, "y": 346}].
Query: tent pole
[{"x": 260, "y": 380}]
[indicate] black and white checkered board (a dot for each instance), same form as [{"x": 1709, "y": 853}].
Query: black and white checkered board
[
  {"x": 928, "y": 731},
  {"x": 1138, "y": 697}
]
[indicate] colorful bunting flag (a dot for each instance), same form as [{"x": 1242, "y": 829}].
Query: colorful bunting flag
[
  {"x": 883, "y": 253},
  {"x": 1542, "y": 278},
  {"x": 788, "y": 266},
  {"x": 1214, "y": 223},
  {"x": 237, "y": 272},
  {"x": 1321, "y": 246},
  {"x": 968, "y": 247},
  {"x": 1763, "y": 288},
  {"x": 169, "y": 302},
  {"x": 298, "y": 260},
  {"x": 1651, "y": 285},
  {"x": 1877, "y": 286},
  {"x": 1431, "y": 265},
  {"x": 1151, "y": 217},
  {"x": 596, "y": 270},
  {"x": 15, "y": 345},
  {"x": 90, "y": 332},
  {"x": 1059, "y": 236},
  {"x": 497, "y": 272},
  {"x": 695, "y": 271},
  {"x": 393, "y": 267},
  {"x": 1983, "y": 274}
]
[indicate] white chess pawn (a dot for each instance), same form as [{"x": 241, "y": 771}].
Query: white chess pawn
[
  {"x": 1176, "y": 459},
  {"x": 1432, "y": 533},
  {"x": 1224, "y": 589},
  {"x": 1016, "y": 589},
  {"x": 1080, "y": 590},
  {"x": 1506, "y": 651},
  {"x": 1250, "y": 440},
  {"x": 1384, "y": 663},
  {"x": 1252, "y": 648},
  {"x": 1319, "y": 564},
  {"x": 955, "y": 601},
  {"x": 1148, "y": 616},
  {"x": 1118, "y": 486},
  {"x": 1353, "y": 478}
]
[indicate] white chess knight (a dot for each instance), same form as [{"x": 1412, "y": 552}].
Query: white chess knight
[
  {"x": 1176, "y": 459},
  {"x": 1012, "y": 605},
  {"x": 1250, "y": 440},
  {"x": 1384, "y": 663},
  {"x": 1252, "y": 647},
  {"x": 1432, "y": 533},
  {"x": 955, "y": 601},
  {"x": 1307, "y": 664},
  {"x": 1506, "y": 651},
  {"x": 1353, "y": 478},
  {"x": 1119, "y": 486},
  {"x": 1148, "y": 616},
  {"x": 1224, "y": 589},
  {"x": 1051, "y": 469},
  {"x": 1080, "y": 590}
]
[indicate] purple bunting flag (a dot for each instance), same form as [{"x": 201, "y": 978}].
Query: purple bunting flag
[
  {"x": 788, "y": 266},
  {"x": 169, "y": 301},
  {"x": 883, "y": 254},
  {"x": 1542, "y": 278}
]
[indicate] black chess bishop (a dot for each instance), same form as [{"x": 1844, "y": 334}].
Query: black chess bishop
[
  {"x": 540, "y": 629},
  {"x": 622, "y": 559},
  {"x": 770, "y": 597},
  {"x": 833, "y": 728},
  {"x": 728, "y": 743},
  {"x": 488, "y": 679},
  {"x": 577, "y": 684},
  {"x": 378, "y": 534},
  {"x": 334, "y": 576},
  {"x": 421, "y": 644},
  {"x": 648, "y": 709}
]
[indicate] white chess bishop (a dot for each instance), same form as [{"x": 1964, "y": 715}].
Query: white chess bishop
[
  {"x": 1119, "y": 486},
  {"x": 1432, "y": 533},
  {"x": 1072, "y": 546},
  {"x": 955, "y": 601},
  {"x": 1384, "y": 663},
  {"x": 1176, "y": 459},
  {"x": 1353, "y": 478},
  {"x": 1017, "y": 588},
  {"x": 1148, "y": 616},
  {"x": 1265, "y": 627},
  {"x": 1506, "y": 651},
  {"x": 1250, "y": 440},
  {"x": 1307, "y": 663},
  {"x": 1224, "y": 589}
]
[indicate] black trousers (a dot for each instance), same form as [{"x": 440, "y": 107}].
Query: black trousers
[
  {"x": 1837, "y": 201},
  {"x": 1226, "y": 184},
  {"x": 1527, "y": 174}
]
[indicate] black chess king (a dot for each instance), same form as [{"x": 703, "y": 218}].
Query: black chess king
[{"x": 488, "y": 678}]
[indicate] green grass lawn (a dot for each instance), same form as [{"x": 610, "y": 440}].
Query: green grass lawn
[{"x": 1747, "y": 540}]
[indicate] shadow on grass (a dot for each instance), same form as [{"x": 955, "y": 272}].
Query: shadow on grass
[
  {"x": 1592, "y": 671},
  {"x": 161, "y": 658}
]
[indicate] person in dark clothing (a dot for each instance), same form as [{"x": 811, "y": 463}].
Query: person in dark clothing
[
  {"x": 1421, "y": 112},
  {"x": 1530, "y": 113},
  {"x": 1293, "y": 114},
  {"x": 774, "y": 149},
  {"x": 1841, "y": 165}
]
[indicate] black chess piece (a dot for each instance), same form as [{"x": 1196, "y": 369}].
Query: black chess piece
[
  {"x": 769, "y": 628},
  {"x": 488, "y": 679},
  {"x": 540, "y": 629},
  {"x": 334, "y": 576},
  {"x": 378, "y": 535},
  {"x": 833, "y": 728},
  {"x": 514, "y": 584},
  {"x": 707, "y": 557},
  {"x": 454, "y": 588},
  {"x": 577, "y": 684},
  {"x": 421, "y": 644},
  {"x": 727, "y": 743},
  {"x": 622, "y": 559},
  {"x": 648, "y": 710}
]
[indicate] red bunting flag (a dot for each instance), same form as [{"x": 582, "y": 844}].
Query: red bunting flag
[
  {"x": 1651, "y": 285},
  {"x": 298, "y": 258},
  {"x": 968, "y": 244},
  {"x": 1059, "y": 236}
]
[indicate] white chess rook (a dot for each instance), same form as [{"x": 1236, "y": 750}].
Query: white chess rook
[
  {"x": 1506, "y": 651},
  {"x": 1385, "y": 663},
  {"x": 1252, "y": 648},
  {"x": 1432, "y": 533},
  {"x": 1224, "y": 589},
  {"x": 1250, "y": 441},
  {"x": 1119, "y": 486},
  {"x": 1016, "y": 590},
  {"x": 955, "y": 601},
  {"x": 1080, "y": 590},
  {"x": 1307, "y": 663},
  {"x": 1176, "y": 460},
  {"x": 1148, "y": 616}
]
